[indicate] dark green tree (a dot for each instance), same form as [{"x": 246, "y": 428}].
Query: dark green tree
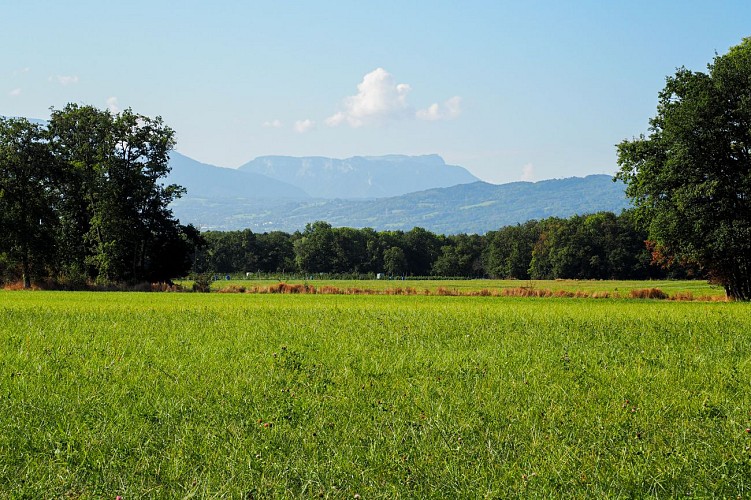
[
  {"x": 315, "y": 251},
  {"x": 690, "y": 178},
  {"x": 461, "y": 256},
  {"x": 79, "y": 139},
  {"x": 28, "y": 197},
  {"x": 508, "y": 251},
  {"x": 421, "y": 248},
  {"x": 542, "y": 264},
  {"x": 394, "y": 261},
  {"x": 275, "y": 252},
  {"x": 114, "y": 212},
  {"x": 350, "y": 251}
]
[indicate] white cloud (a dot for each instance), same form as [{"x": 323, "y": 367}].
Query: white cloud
[
  {"x": 21, "y": 71},
  {"x": 273, "y": 124},
  {"x": 303, "y": 126},
  {"x": 430, "y": 114},
  {"x": 113, "y": 105},
  {"x": 65, "y": 80},
  {"x": 447, "y": 111},
  {"x": 15, "y": 93},
  {"x": 453, "y": 106},
  {"x": 379, "y": 97},
  {"x": 528, "y": 172}
]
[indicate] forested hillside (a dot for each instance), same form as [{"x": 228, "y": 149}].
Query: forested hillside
[{"x": 467, "y": 208}]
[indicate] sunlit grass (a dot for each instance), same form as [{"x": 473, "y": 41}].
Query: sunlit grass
[{"x": 168, "y": 395}]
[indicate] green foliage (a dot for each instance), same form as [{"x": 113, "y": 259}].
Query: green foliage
[
  {"x": 596, "y": 246},
  {"x": 394, "y": 261},
  {"x": 509, "y": 250},
  {"x": 315, "y": 250},
  {"x": 115, "y": 163},
  {"x": 28, "y": 190},
  {"x": 202, "y": 283},
  {"x": 83, "y": 198},
  {"x": 691, "y": 177},
  {"x": 178, "y": 395},
  {"x": 462, "y": 256}
]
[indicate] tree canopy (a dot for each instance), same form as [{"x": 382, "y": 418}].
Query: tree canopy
[
  {"x": 83, "y": 199},
  {"x": 691, "y": 176},
  {"x": 596, "y": 246}
]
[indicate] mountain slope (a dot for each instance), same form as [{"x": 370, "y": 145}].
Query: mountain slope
[
  {"x": 361, "y": 176},
  {"x": 208, "y": 181},
  {"x": 469, "y": 208}
]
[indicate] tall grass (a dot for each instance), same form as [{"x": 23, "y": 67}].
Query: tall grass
[{"x": 169, "y": 395}]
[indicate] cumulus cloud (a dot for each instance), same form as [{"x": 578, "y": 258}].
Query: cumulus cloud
[
  {"x": 113, "y": 105},
  {"x": 528, "y": 172},
  {"x": 273, "y": 124},
  {"x": 431, "y": 113},
  {"x": 378, "y": 97},
  {"x": 15, "y": 93},
  {"x": 446, "y": 111},
  {"x": 65, "y": 80},
  {"x": 303, "y": 126}
]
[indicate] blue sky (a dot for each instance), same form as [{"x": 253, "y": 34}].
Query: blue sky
[{"x": 510, "y": 90}]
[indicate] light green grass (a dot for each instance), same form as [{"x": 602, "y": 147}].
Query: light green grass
[{"x": 172, "y": 395}]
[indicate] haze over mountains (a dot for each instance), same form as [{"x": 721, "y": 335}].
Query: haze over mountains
[
  {"x": 361, "y": 176},
  {"x": 206, "y": 181},
  {"x": 388, "y": 192}
]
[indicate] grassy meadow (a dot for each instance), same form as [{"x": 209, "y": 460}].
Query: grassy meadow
[{"x": 261, "y": 395}]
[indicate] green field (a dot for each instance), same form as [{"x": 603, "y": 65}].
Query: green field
[{"x": 252, "y": 396}]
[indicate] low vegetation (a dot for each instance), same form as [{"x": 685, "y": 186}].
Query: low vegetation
[
  {"x": 685, "y": 290},
  {"x": 168, "y": 395}
]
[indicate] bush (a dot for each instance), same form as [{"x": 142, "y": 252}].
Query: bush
[
  {"x": 648, "y": 293},
  {"x": 202, "y": 283}
]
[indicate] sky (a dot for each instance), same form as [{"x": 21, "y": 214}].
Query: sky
[{"x": 510, "y": 90}]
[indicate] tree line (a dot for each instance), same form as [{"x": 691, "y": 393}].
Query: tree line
[
  {"x": 597, "y": 246},
  {"x": 82, "y": 200}
]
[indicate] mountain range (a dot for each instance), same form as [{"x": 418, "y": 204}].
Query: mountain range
[
  {"x": 361, "y": 176},
  {"x": 384, "y": 193}
]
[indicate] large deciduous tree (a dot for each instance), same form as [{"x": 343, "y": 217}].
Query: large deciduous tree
[
  {"x": 83, "y": 199},
  {"x": 114, "y": 212},
  {"x": 28, "y": 196},
  {"x": 691, "y": 176}
]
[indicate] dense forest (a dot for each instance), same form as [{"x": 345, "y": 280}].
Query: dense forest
[{"x": 597, "y": 246}]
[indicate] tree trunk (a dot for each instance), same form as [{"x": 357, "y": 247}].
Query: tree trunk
[
  {"x": 738, "y": 286},
  {"x": 26, "y": 269}
]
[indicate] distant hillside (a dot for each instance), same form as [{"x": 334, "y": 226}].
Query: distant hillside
[
  {"x": 32, "y": 120},
  {"x": 208, "y": 181},
  {"x": 361, "y": 176},
  {"x": 469, "y": 208}
]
